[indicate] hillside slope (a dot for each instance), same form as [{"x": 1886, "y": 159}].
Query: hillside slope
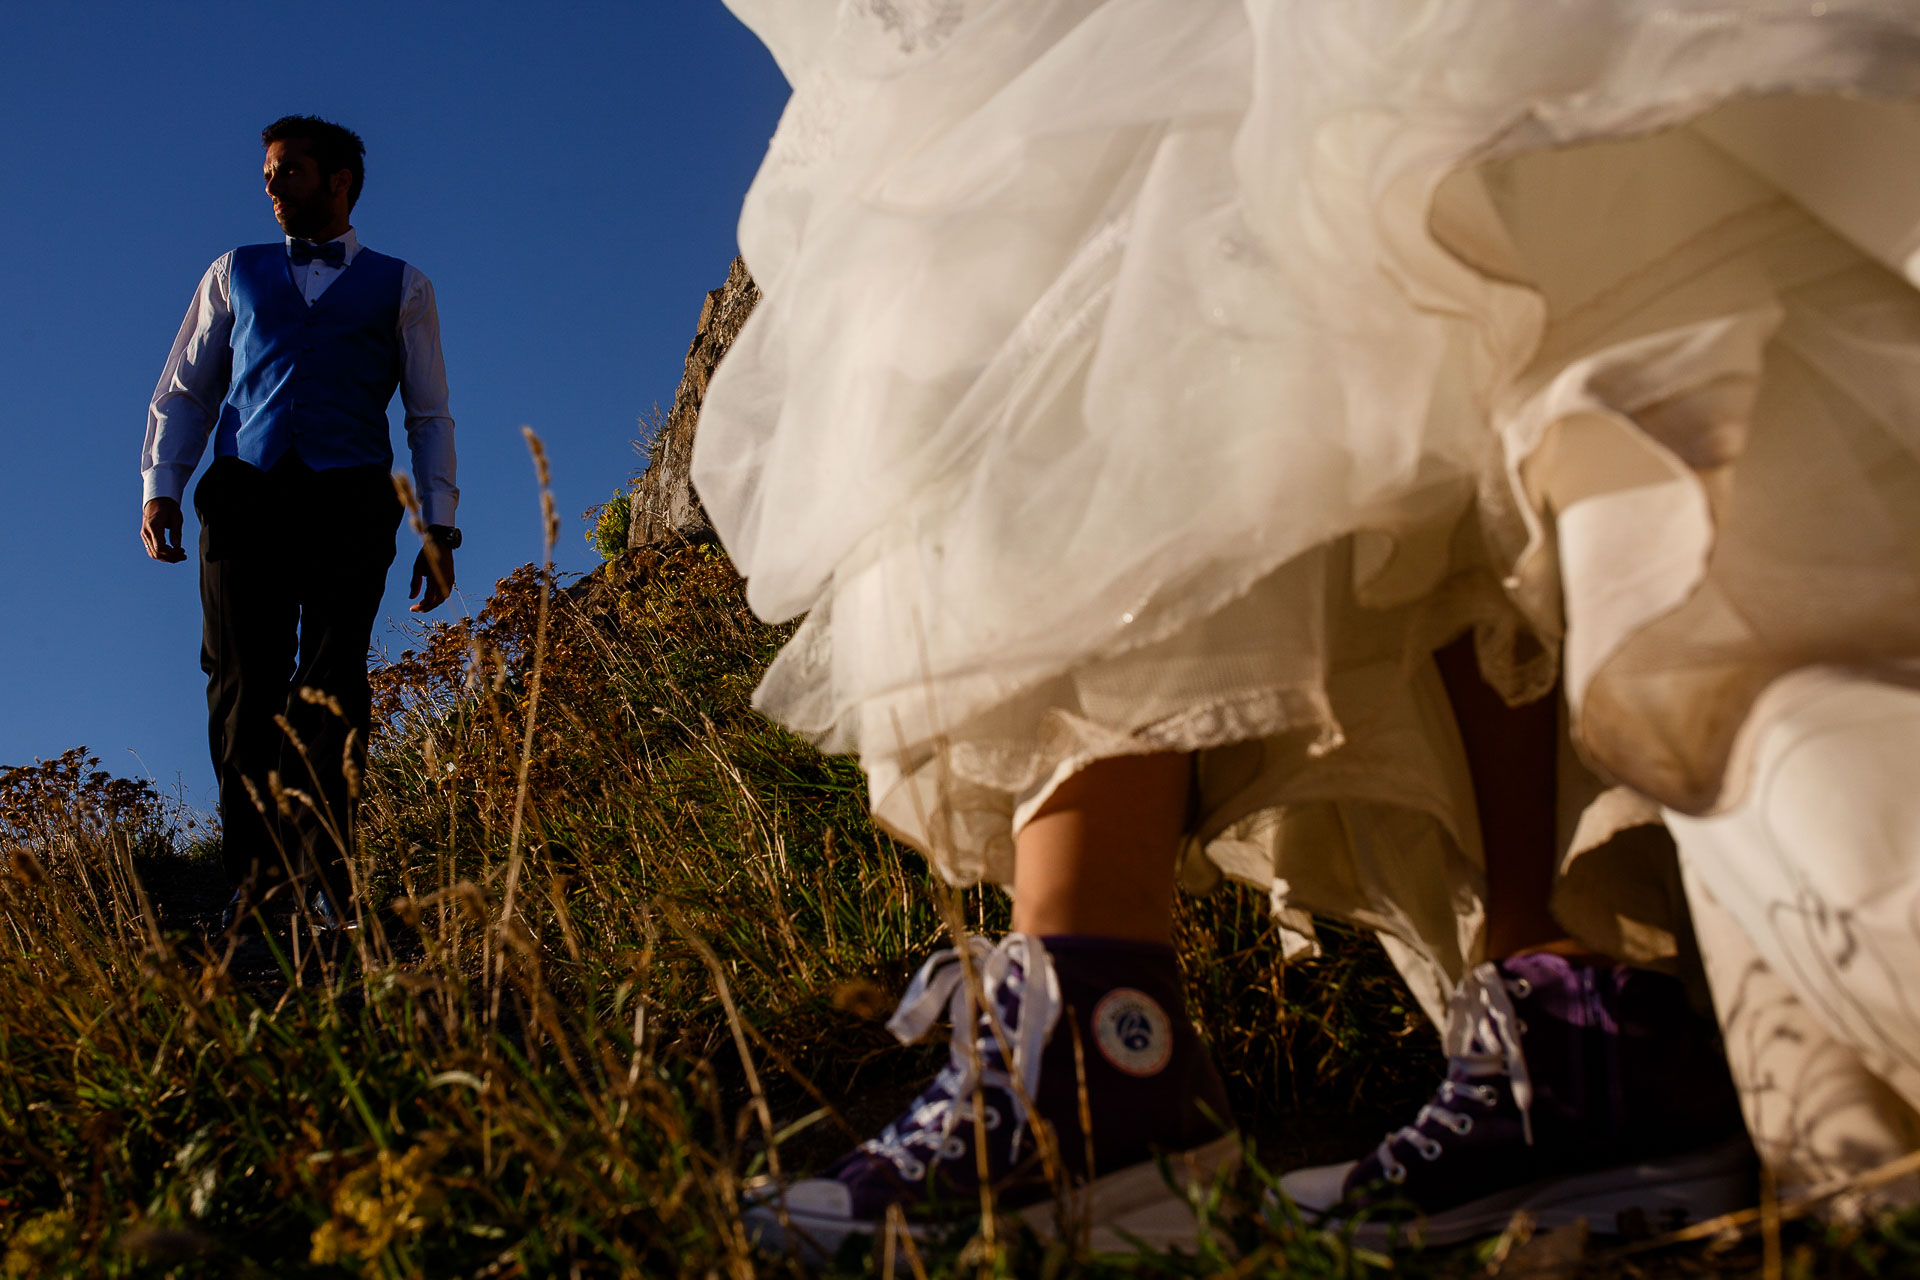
[{"x": 622, "y": 947}]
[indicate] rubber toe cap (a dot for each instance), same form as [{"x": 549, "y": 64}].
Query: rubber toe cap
[
  {"x": 820, "y": 1197},
  {"x": 1318, "y": 1189}
]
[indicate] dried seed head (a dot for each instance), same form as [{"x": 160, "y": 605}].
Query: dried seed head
[
  {"x": 403, "y": 490},
  {"x": 286, "y": 727},
  {"x": 350, "y": 765},
  {"x": 321, "y": 698},
  {"x": 280, "y": 793},
  {"x": 476, "y": 662},
  {"x": 538, "y": 449},
  {"x": 862, "y": 999},
  {"x": 27, "y": 868}
]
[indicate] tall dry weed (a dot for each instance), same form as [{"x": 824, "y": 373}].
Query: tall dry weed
[{"x": 705, "y": 931}]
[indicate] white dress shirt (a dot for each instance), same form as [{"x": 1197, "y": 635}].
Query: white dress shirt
[{"x": 186, "y": 403}]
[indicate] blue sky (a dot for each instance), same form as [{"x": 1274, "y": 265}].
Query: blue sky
[{"x": 568, "y": 175}]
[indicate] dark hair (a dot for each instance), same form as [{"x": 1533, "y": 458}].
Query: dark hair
[{"x": 334, "y": 146}]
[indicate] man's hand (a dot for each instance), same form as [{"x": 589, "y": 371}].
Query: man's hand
[
  {"x": 160, "y": 530},
  {"x": 433, "y": 567}
]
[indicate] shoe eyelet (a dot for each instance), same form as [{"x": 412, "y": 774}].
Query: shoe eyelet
[
  {"x": 910, "y": 1169},
  {"x": 1488, "y": 1095},
  {"x": 1395, "y": 1175},
  {"x": 1521, "y": 987},
  {"x": 1429, "y": 1150},
  {"x": 991, "y": 1118},
  {"x": 1463, "y": 1126},
  {"x": 1520, "y": 1024},
  {"x": 953, "y": 1148}
]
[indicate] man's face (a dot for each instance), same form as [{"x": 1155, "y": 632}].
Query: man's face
[{"x": 304, "y": 201}]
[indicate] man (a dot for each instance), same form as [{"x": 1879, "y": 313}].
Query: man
[{"x": 288, "y": 357}]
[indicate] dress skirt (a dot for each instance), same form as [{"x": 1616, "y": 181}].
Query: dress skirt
[{"x": 1152, "y": 375}]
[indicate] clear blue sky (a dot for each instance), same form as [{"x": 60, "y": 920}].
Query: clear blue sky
[{"x": 568, "y": 175}]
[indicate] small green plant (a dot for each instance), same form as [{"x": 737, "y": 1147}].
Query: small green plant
[{"x": 608, "y": 522}]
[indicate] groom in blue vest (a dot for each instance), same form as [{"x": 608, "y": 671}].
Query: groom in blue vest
[{"x": 288, "y": 357}]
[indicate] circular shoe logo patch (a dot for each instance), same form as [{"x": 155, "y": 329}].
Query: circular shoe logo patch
[{"x": 1133, "y": 1032}]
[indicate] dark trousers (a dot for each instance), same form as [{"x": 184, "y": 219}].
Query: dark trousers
[{"x": 292, "y": 566}]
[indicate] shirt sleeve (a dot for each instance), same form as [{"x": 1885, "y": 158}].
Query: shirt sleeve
[
  {"x": 192, "y": 384},
  {"x": 423, "y": 393}
]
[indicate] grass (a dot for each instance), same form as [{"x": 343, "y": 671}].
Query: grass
[{"x": 579, "y": 849}]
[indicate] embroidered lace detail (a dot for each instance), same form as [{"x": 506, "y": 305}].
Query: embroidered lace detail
[
  {"x": 1256, "y": 714},
  {"x": 1482, "y": 1043},
  {"x": 808, "y": 134},
  {"x": 917, "y": 27}
]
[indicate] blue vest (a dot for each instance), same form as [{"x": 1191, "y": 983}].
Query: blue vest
[{"x": 316, "y": 379}]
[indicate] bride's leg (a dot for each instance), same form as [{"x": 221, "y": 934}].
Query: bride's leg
[
  {"x": 1576, "y": 1088},
  {"x": 1091, "y": 1022},
  {"x": 1098, "y": 858},
  {"x": 1513, "y": 756}
]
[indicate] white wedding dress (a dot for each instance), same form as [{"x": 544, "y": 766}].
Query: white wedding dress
[{"x": 1146, "y": 375}]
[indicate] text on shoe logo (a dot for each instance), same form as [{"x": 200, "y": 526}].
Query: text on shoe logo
[{"x": 1133, "y": 1031}]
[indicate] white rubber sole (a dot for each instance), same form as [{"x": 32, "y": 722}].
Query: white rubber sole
[
  {"x": 1116, "y": 1211},
  {"x": 1657, "y": 1196}
]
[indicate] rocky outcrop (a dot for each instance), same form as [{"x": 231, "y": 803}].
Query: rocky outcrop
[{"x": 665, "y": 510}]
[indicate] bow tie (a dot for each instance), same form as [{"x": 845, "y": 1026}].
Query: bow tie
[{"x": 333, "y": 253}]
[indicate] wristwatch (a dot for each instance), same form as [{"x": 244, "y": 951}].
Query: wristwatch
[{"x": 444, "y": 535}]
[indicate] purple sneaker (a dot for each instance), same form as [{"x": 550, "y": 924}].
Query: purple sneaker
[
  {"x": 1572, "y": 1091},
  {"x": 1150, "y": 1089}
]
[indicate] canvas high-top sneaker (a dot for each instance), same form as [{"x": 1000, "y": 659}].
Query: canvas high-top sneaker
[
  {"x": 1572, "y": 1091},
  {"x": 1150, "y": 1089}
]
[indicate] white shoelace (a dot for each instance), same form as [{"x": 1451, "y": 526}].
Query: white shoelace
[
  {"x": 1483, "y": 1038},
  {"x": 940, "y": 986}
]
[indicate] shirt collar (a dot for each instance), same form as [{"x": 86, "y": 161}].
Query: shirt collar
[{"x": 346, "y": 238}]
